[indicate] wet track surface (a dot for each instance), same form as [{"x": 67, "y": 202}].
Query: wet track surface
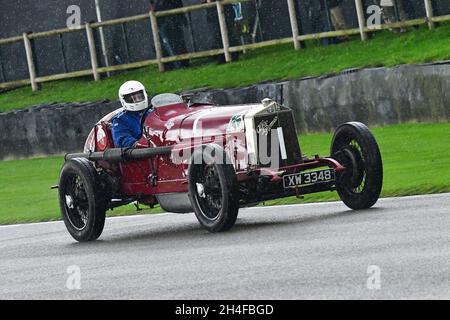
[{"x": 291, "y": 252}]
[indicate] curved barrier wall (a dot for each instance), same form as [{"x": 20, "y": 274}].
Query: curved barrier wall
[
  {"x": 49, "y": 129},
  {"x": 377, "y": 96}
]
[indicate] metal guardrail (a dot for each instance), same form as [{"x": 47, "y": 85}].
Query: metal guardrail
[{"x": 95, "y": 70}]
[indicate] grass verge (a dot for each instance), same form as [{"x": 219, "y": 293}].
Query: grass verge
[
  {"x": 416, "y": 161},
  {"x": 273, "y": 63}
]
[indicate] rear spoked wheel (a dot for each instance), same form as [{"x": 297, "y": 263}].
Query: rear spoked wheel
[
  {"x": 76, "y": 202},
  {"x": 355, "y": 147},
  {"x": 82, "y": 200}
]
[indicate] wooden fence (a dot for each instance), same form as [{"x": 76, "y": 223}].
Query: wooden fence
[{"x": 226, "y": 50}]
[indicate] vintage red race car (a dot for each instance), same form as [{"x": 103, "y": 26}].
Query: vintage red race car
[{"x": 212, "y": 160}]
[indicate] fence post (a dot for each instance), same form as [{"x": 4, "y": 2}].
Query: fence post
[
  {"x": 61, "y": 46},
  {"x": 223, "y": 31},
  {"x": 156, "y": 40},
  {"x": 92, "y": 52},
  {"x": 429, "y": 10},
  {"x": 361, "y": 19},
  {"x": 294, "y": 24},
  {"x": 125, "y": 38},
  {"x": 30, "y": 62},
  {"x": 2, "y": 72}
]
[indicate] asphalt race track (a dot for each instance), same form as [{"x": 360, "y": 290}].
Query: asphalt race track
[{"x": 292, "y": 252}]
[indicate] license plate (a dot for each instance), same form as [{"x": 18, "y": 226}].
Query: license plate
[{"x": 307, "y": 178}]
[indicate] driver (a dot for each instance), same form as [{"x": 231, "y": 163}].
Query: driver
[{"x": 127, "y": 125}]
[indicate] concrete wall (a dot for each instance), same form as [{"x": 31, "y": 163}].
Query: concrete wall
[
  {"x": 377, "y": 96},
  {"x": 49, "y": 129},
  {"x": 374, "y": 96}
]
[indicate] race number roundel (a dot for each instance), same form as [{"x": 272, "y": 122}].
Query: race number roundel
[{"x": 101, "y": 138}]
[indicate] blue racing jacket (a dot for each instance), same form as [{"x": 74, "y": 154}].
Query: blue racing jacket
[{"x": 127, "y": 127}]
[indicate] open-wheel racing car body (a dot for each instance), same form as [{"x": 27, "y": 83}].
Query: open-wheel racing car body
[{"x": 212, "y": 160}]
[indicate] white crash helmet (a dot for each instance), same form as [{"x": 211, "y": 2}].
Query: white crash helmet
[{"x": 133, "y": 96}]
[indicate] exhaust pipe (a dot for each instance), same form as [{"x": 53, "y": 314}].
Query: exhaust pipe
[{"x": 119, "y": 155}]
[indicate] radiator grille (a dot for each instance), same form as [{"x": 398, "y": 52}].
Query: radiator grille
[{"x": 266, "y": 125}]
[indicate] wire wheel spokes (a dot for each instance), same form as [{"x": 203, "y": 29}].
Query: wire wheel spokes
[
  {"x": 209, "y": 191},
  {"x": 355, "y": 147},
  {"x": 352, "y": 157},
  {"x": 76, "y": 202}
]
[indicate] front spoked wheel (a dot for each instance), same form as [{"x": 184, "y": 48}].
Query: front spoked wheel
[
  {"x": 355, "y": 147},
  {"x": 213, "y": 189},
  {"x": 209, "y": 192}
]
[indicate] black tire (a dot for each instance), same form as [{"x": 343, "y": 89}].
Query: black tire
[
  {"x": 82, "y": 200},
  {"x": 355, "y": 147},
  {"x": 217, "y": 204}
]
